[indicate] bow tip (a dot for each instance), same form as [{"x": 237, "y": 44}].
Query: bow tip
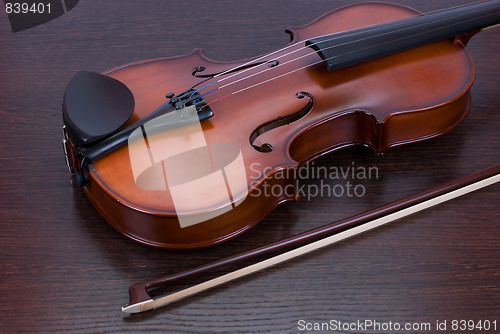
[{"x": 135, "y": 308}]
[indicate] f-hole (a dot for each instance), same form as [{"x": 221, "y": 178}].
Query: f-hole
[{"x": 280, "y": 121}]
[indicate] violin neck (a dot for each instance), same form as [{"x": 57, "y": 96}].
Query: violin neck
[{"x": 356, "y": 46}]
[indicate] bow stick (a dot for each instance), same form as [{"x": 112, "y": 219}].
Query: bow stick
[{"x": 318, "y": 238}]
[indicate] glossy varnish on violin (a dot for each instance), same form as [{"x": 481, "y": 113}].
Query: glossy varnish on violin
[{"x": 402, "y": 98}]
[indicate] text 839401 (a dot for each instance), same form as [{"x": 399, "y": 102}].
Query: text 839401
[{"x": 25, "y": 8}]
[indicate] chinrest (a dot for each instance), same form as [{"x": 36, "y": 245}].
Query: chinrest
[{"x": 95, "y": 106}]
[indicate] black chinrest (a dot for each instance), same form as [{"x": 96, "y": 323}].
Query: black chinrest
[{"x": 95, "y": 106}]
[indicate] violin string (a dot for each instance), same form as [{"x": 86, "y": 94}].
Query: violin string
[
  {"x": 347, "y": 53},
  {"x": 249, "y": 63},
  {"x": 321, "y": 61},
  {"x": 303, "y": 67},
  {"x": 354, "y": 32},
  {"x": 357, "y": 31}
]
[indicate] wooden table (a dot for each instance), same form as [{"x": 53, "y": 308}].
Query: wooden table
[{"x": 64, "y": 269}]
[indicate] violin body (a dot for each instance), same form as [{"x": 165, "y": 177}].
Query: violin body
[{"x": 277, "y": 121}]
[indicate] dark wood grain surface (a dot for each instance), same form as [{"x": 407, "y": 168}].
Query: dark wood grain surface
[{"x": 63, "y": 269}]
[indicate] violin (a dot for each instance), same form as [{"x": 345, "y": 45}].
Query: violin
[{"x": 187, "y": 152}]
